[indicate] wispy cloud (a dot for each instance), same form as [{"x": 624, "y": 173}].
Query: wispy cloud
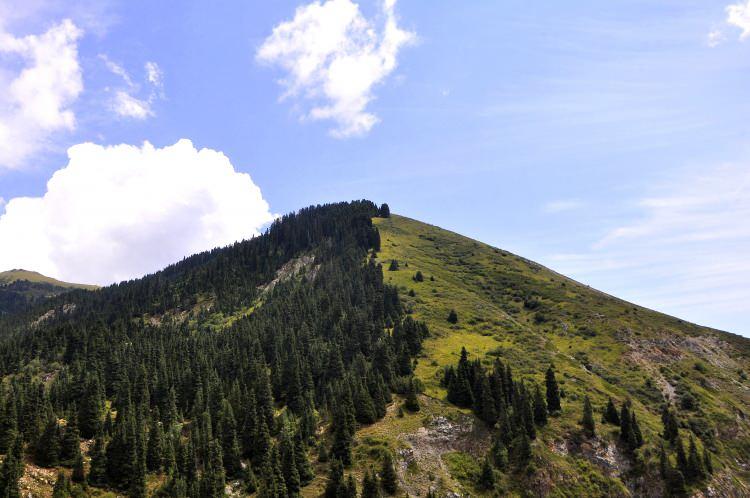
[
  {"x": 124, "y": 101},
  {"x": 334, "y": 57},
  {"x": 684, "y": 252}
]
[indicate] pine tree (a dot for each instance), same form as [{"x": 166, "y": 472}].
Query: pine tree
[
  {"x": 671, "y": 427},
  {"x": 499, "y": 453},
  {"x": 90, "y": 409},
  {"x": 350, "y": 490},
  {"x": 553, "y": 391},
  {"x": 540, "y": 408},
  {"x": 213, "y": 478},
  {"x": 682, "y": 463},
  {"x": 411, "y": 403},
  {"x": 521, "y": 450},
  {"x": 289, "y": 464},
  {"x": 384, "y": 211},
  {"x": 393, "y": 266},
  {"x": 8, "y": 422},
  {"x": 610, "y": 413},
  {"x": 370, "y": 486},
  {"x": 79, "y": 474},
  {"x": 707, "y": 463},
  {"x": 12, "y": 469},
  {"x": 695, "y": 471},
  {"x": 675, "y": 483},
  {"x": 155, "y": 446},
  {"x": 70, "y": 447},
  {"x": 304, "y": 468},
  {"x": 335, "y": 484},
  {"x": 487, "y": 475},
  {"x": 98, "y": 471},
  {"x": 229, "y": 443},
  {"x": 62, "y": 486},
  {"x": 452, "y": 317},
  {"x": 47, "y": 452},
  {"x": 587, "y": 422},
  {"x": 388, "y": 478},
  {"x": 663, "y": 462},
  {"x": 137, "y": 480}
]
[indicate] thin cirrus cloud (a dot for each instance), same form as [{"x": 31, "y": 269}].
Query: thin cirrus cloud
[
  {"x": 119, "y": 212},
  {"x": 334, "y": 57},
  {"x": 688, "y": 243},
  {"x": 40, "y": 80},
  {"x": 125, "y": 103}
]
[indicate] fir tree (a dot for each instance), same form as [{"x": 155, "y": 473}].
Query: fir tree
[
  {"x": 587, "y": 422},
  {"x": 79, "y": 474},
  {"x": 411, "y": 403},
  {"x": 521, "y": 450},
  {"x": 452, "y": 317},
  {"x": 62, "y": 486},
  {"x": 370, "y": 485},
  {"x": 335, "y": 484},
  {"x": 12, "y": 469},
  {"x": 487, "y": 475},
  {"x": 707, "y": 463},
  {"x": 155, "y": 446},
  {"x": 47, "y": 451},
  {"x": 388, "y": 478},
  {"x": 540, "y": 408},
  {"x": 682, "y": 463},
  {"x": 393, "y": 266},
  {"x": 229, "y": 443},
  {"x": 695, "y": 471},
  {"x": 610, "y": 413},
  {"x": 553, "y": 391},
  {"x": 98, "y": 470},
  {"x": 70, "y": 447},
  {"x": 671, "y": 427}
]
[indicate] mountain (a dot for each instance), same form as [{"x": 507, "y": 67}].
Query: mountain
[
  {"x": 22, "y": 288},
  {"x": 350, "y": 348}
]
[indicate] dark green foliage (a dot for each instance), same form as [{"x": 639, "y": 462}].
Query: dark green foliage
[
  {"x": 610, "y": 413},
  {"x": 384, "y": 211},
  {"x": 540, "y": 408},
  {"x": 707, "y": 462},
  {"x": 388, "y": 479},
  {"x": 521, "y": 450},
  {"x": 70, "y": 448},
  {"x": 452, "y": 317},
  {"x": 98, "y": 470},
  {"x": 393, "y": 266},
  {"x": 79, "y": 473},
  {"x": 47, "y": 451},
  {"x": 12, "y": 469},
  {"x": 418, "y": 277},
  {"x": 62, "y": 486},
  {"x": 335, "y": 488},
  {"x": 587, "y": 422},
  {"x": 553, "y": 391},
  {"x": 370, "y": 485},
  {"x": 675, "y": 483},
  {"x": 671, "y": 426},
  {"x": 694, "y": 471},
  {"x": 411, "y": 403},
  {"x": 487, "y": 475}
]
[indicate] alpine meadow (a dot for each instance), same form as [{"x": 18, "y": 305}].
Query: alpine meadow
[{"x": 350, "y": 352}]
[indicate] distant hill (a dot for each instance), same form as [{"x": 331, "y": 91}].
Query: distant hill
[
  {"x": 10, "y": 276},
  {"x": 350, "y": 348},
  {"x": 20, "y": 289}
]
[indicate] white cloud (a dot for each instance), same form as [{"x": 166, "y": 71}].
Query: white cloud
[
  {"x": 562, "y": 205},
  {"x": 738, "y": 15},
  {"x": 124, "y": 101},
  {"x": 40, "y": 79},
  {"x": 715, "y": 38},
  {"x": 685, "y": 252},
  {"x": 119, "y": 212},
  {"x": 334, "y": 57},
  {"x": 126, "y": 105}
]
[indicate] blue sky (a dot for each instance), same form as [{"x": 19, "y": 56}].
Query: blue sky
[{"x": 607, "y": 140}]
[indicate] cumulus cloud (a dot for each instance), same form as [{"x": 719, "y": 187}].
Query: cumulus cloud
[
  {"x": 118, "y": 212},
  {"x": 684, "y": 250},
  {"x": 738, "y": 15},
  {"x": 40, "y": 79},
  {"x": 334, "y": 57},
  {"x": 124, "y": 101}
]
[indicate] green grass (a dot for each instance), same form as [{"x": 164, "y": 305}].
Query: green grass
[
  {"x": 530, "y": 316},
  {"x": 10, "y": 276}
]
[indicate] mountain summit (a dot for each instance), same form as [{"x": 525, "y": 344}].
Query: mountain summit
[{"x": 349, "y": 352}]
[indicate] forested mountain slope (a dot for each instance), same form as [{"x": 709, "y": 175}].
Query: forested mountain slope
[
  {"x": 325, "y": 358},
  {"x": 20, "y": 289}
]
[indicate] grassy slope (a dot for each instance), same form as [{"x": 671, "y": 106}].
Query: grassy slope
[
  {"x": 10, "y": 276},
  {"x": 599, "y": 345}
]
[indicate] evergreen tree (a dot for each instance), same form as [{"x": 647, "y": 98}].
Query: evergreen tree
[
  {"x": 587, "y": 422},
  {"x": 90, "y": 409},
  {"x": 487, "y": 475},
  {"x": 521, "y": 450},
  {"x": 553, "y": 391},
  {"x": 675, "y": 483},
  {"x": 70, "y": 447},
  {"x": 388, "y": 478},
  {"x": 370, "y": 485},
  {"x": 8, "y": 422},
  {"x": 499, "y": 453},
  {"x": 289, "y": 464},
  {"x": 12, "y": 469},
  {"x": 98, "y": 471},
  {"x": 452, "y": 317},
  {"x": 62, "y": 486},
  {"x": 393, "y": 266},
  {"x": 79, "y": 474},
  {"x": 213, "y": 479},
  {"x": 155, "y": 447},
  {"x": 671, "y": 427},
  {"x": 304, "y": 469},
  {"x": 610, "y": 413},
  {"x": 411, "y": 403},
  {"x": 229, "y": 443},
  {"x": 540, "y": 408},
  {"x": 695, "y": 471},
  {"x": 384, "y": 211},
  {"x": 350, "y": 490},
  {"x": 682, "y": 463},
  {"x": 707, "y": 463},
  {"x": 335, "y": 484},
  {"x": 47, "y": 452}
]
